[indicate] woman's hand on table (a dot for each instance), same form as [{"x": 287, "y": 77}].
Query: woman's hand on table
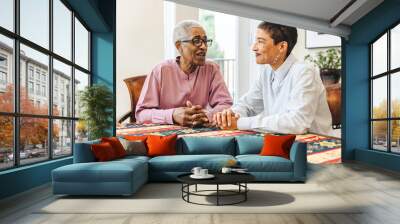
[{"x": 226, "y": 120}]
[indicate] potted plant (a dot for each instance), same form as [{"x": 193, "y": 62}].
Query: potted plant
[
  {"x": 96, "y": 103},
  {"x": 329, "y": 64}
]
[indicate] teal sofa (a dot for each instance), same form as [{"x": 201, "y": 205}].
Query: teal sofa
[{"x": 125, "y": 176}]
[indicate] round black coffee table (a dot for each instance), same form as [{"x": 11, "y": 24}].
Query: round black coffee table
[{"x": 238, "y": 179}]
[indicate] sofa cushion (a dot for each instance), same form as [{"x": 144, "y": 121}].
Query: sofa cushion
[
  {"x": 161, "y": 145},
  {"x": 136, "y": 147},
  {"x": 248, "y": 144},
  {"x": 206, "y": 145},
  {"x": 131, "y": 158},
  {"x": 257, "y": 163},
  {"x": 277, "y": 145},
  {"x": 185, "y": 163},
  {"x": 103, "y": 152},
  {"x": 116, "y": 145},
  {"x": 112, "y": 171},
  {"x": 142, "y": 138}
]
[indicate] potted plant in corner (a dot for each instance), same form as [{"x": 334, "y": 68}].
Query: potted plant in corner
[
  {"x": 96, "y": 103},
  {"x": 329, "y": 64}
]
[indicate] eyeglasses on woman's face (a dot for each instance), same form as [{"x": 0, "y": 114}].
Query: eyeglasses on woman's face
[{"x": 197, "y": 41}]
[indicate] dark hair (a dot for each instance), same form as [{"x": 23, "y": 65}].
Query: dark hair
[{"x": 281, "y": 33}]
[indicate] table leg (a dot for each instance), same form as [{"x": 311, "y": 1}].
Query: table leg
[
  {"x": 188, "y": 190},
  {"x": 245, "y": 193},
  {"x": 196, "y": 188},
  {"x": 217, "y": 194}
]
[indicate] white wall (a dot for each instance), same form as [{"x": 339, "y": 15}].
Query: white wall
[
  {"x": 300, "y": 50},
  {"x": 184, "y": 12},
  {"x": 140, "y": 43}
]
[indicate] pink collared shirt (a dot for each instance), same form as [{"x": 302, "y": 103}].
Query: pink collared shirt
[{"x": 168, "y": 87}]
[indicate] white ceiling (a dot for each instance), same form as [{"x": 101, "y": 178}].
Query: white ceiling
[
  {"x": 321, "y": 9},
  {"x": 315, "y": 15}
]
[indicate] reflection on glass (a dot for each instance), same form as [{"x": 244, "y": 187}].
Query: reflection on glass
[
  {"x": 7, "y": 14},
  {"x": 62, "y": 138},
  {"x": 6, "y": 74},
  {"x": 62, "y": 89},
  {"x": 395, "y": 136},
  {"x": 35, "y": 21},
  {"x": 33, "y": 139},
  {"x": 6, "y": 142},
  {"x": 81, "y": 131},
  {"x": 395, "y": 95},
  {"x": 379, "y": 55},
  {"x": 395, "y": 47},
  {"x": 379, "y": 135},
  {"x": 62, "y": 29},
  {"x": 379, "y": 97},
  {"x": 34, "y": 96},
  {"x": 81, "y": 45},
  {"x": 81, "y": 81}
]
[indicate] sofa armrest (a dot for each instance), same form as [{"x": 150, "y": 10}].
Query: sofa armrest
[
  {"x": 298, "y": 155},
  {"x": 83, "y": 152}
]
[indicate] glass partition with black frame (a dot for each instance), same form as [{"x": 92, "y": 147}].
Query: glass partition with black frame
[
  {"x": 44, "y": 63},
  {"x": 385, "y": 94}
]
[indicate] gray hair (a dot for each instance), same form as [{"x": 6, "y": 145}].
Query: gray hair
[{"x": 182, "y": 29}]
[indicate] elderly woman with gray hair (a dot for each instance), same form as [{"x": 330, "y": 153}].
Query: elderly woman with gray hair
[{"x": 187, "y": 90}]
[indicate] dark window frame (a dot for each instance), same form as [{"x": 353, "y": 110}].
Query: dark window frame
[
  {"x": 16, "y": 114},
  {"x": 388, "y": 74}
]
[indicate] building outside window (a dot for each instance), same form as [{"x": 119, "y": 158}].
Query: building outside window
[
  {"x": 30, "y": 72},
  {"x": 43, "y": 90},
  {"x": 34, "y": 79},
  {"x": 30, "y": 87},
  {"x": 3, "y": 72}
]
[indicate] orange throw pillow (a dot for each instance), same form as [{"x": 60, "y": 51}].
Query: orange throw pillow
[
  {"x": 103, "y": 151},
  {"x": 277, "y": 145},
  {"x": 136, "y": 138},
  {"x": 116, "y": 145},
  {"x": 161, "y": 145}
]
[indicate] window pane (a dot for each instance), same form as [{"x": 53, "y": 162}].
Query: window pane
[
  {"x": 33, "y": 139},
  {"x": 6, "y": 74},
  {"x": 6, "y": 142},
  {"x": 81, "y": 131},
  {"x": 62, "y": 138},
  {"x": 81, "y": 45},
  {"x": 395, "y": 47},
  {"x": 62, "y": 29},
  {"x": 395, "y": 138},
  {"x": 379, "y": 97},
  {"x": 35, "y": 21},
  {"x": 379, "y": 55},
  {"x": 34, "y": 72},
  {"x": 62, "y": 89},
  {"x": 81, "y": 81},
  {"x": 7, "y": 14},
  {"x": 379, "y": 135},
  {"x": 395, "y": 94}
]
